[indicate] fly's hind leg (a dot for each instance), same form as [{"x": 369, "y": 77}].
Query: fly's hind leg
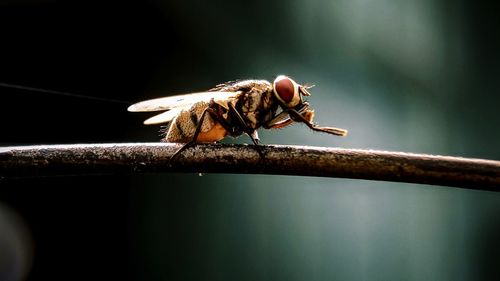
[
  {"x": 224, "y": 123},
  {"x": 210, "y": 110},
  {"x": 195, "y": 136}
]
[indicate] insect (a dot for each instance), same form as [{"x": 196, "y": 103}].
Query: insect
[{"x": 232, "y": 109}]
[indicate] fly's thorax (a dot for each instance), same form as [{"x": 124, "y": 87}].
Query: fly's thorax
[
  {"x": 270, "y": 106},
  {"x": 249, "y": 86},
  {"x": 256, "y": 106}
]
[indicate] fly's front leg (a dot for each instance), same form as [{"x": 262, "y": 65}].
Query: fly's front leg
[
  {"x": 283, "y": 119},
  {"x": 279, "y": 121},
  {"x": 329, "y": 130}
]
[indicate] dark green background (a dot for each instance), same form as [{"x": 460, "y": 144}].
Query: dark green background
[{"x": 414, "y": 76}]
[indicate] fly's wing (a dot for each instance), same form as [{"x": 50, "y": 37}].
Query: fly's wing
[
  {"x": 179, "y": 101},
  {"x": 175, "y": 104},
  {"x": 164, "y": 117}
]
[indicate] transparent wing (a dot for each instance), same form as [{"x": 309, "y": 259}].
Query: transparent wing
[
  {"x": 164, "y": 117},
  {"x": 179, "y": 101}
]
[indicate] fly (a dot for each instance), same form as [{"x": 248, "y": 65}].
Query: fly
[{"x": 233, "y": 109}]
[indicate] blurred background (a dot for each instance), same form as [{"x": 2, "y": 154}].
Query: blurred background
[{"x": 408, "y": 75}]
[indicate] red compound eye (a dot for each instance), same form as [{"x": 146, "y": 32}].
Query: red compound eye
[{"x": 285, "y": 89}]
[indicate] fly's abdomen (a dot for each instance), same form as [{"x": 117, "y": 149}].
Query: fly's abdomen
[{"x": 183, "y": 127}]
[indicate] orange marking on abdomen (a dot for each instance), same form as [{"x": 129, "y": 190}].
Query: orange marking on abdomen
[{"x": 216, "y": 133}]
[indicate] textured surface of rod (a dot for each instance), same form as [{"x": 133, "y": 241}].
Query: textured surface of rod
[{"x": 86, "y": 159}]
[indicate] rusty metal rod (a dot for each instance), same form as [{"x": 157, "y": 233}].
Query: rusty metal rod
[{"x": 86, "y": 159}]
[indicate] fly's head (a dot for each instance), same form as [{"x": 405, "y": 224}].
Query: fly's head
[{"x": 289, "y": 94}]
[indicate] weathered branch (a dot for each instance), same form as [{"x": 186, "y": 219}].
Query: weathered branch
[{"x": 84, "y": 159}]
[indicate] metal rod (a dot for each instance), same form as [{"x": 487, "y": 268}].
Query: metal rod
[{"x": 125, "y": 158}]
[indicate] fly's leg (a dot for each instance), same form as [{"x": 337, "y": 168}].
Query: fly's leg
[
  {"x": 213, "y": 113},
  {"x": 195, "y": 136},
  {"x": 247, "y": 129},
  {"x": 230, "y": 128},
  {"x": 278, "y": 125},
  {"x": 283, "y": 119},
  {"x": 329, "y": 130}
]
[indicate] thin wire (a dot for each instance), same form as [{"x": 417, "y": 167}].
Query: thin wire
[
  {"x": 113, "y": 158},
  {"x": 14, "y": 86}
]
